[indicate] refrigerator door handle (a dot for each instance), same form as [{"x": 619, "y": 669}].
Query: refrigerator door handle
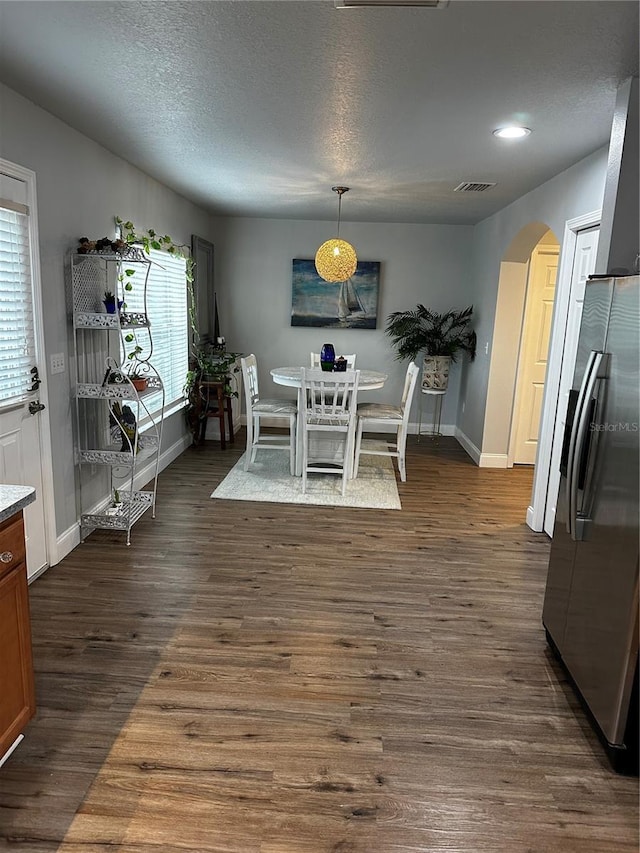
[
  {"x": 588, "y": 452},
  {"x": 581, "y": 434},
  {"x": 571, "y": 456}
]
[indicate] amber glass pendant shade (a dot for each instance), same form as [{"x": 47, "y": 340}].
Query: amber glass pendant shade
[{"x": 336, "y": 260}]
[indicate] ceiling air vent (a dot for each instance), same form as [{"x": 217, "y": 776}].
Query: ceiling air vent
[
  {"x": 429, "y": 4},
  {"x": 473, "y": 187}
]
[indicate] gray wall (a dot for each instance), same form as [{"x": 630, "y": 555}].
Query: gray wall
[
  {"x": 439, "y": 265},
  {"x": 419, "y": 263},
  {"x": 574, "y": 192},
  {"x": 81, "y": 187}
]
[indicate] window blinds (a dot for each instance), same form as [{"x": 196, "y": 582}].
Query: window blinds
[
  {"x": 167, "y": 311},
  {"x": 17, "y": 343}
]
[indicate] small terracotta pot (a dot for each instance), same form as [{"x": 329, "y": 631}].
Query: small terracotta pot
[{"x": 139, "y": 384}]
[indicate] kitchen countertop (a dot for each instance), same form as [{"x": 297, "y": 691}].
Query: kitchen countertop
[{"x": 15, "y": 498}]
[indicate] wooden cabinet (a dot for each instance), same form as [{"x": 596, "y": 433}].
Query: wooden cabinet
[{"x": 17, "y": 693}]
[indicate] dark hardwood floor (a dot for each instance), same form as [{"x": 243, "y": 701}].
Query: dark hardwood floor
[{"x": 274, "y": 678}]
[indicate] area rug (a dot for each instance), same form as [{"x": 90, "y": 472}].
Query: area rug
[{"x": 269, "y": 480}]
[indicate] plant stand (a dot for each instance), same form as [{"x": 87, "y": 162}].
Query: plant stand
[
  {"x": 212, "y": 401},
  {"x": 437, "y": 413},
  {"x": 117, "y": 438}
]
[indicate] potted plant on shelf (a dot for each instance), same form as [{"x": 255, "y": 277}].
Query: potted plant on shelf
[
  {"x": 137, "y": 379},
  {"x": 110, "y": 302},
  {"x": 441, "y": 337}
]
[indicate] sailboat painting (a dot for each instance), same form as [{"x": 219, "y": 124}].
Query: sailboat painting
[{"x": 350, "y": 304}]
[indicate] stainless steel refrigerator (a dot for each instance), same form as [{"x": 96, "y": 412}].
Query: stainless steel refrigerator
[{"x": 591, "y": 601}]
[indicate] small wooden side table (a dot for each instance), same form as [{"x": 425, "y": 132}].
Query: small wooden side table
[
  {"x": 437, "y": 412},
  {"x": 214, "y": 402}
]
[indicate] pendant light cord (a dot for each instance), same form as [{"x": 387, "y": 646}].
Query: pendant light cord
[{"x": 340, "y": 191}]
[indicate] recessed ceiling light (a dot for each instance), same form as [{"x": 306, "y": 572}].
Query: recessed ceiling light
[{"x": 513, "y": 132}]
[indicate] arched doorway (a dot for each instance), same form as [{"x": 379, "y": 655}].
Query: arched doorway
[
  {"x": 534, "y": 349},
  {"x": 505, "y": 350},
  {"x": 577, "y": 262}
]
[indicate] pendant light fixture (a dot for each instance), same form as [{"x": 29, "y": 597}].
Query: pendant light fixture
[{"x": 336, "y": 260}]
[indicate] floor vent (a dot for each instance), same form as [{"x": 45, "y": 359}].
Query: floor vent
[{"x": 473, "y": 187}]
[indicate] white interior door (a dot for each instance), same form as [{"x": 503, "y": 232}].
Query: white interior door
[
  {"x": 584, "y": 262},
  {"x": 21, "y": 456},
  {"x": 532, "y": 363}
]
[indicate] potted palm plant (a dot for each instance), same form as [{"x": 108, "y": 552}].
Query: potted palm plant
[{"x": 441, "y": 337}]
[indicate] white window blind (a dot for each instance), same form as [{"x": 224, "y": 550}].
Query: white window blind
[
  {"x": 168, "y": 315},
  {"x": 17, "y": 344}
]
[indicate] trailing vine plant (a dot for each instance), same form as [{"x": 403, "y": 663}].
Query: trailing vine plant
[
  {"x": 205, "y": 360},
  {"x": 149, "y": 240}
]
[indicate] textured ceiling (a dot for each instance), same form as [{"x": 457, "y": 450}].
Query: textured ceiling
[{"x": 258, "y": 108}]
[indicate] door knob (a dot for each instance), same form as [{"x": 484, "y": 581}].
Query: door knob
[{"x": 36, "y": 407}]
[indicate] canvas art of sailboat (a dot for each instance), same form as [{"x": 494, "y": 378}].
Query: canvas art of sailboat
[{"x": 349, "y": 304}]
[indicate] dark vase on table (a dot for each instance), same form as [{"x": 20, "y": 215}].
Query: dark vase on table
[{"x": 327, "y": 357}]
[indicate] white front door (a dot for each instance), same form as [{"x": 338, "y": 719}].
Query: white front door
[
  {"x": 20, "y": 464},
  {"x": 534, "y": 348},
  {"x": 584, "y": 262},
  {"x": 21, "y": 444}
]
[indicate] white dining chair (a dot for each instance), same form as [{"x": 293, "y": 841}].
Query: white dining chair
[
  {"x": 351, "y": 360},
  {"x": 330, "y": 403},
  {"x": 258, "y": 408},
  {"x": 374, "y": 417}
]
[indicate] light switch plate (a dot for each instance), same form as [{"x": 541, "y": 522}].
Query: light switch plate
[{"x": 57, "y": 362}]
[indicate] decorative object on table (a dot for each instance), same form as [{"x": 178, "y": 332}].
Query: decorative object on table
[
  {"x": 269, "y": 480},
  {"x": 350, "y": 361},
  {"x": 376, "y": 417},
  {"x": 257, "y": 408},
  {"x": 442, "y": 337},
  {"x": 350, "y": 304},
  {"x": 336, "y": 260},
  {"x": 327, "y": 357},
  {"x": 110, "y": 302},
  {"x": 340, "y": 365}
]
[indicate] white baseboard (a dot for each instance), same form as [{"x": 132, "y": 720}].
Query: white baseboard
[
  {"x": 531, "y": 521},
  {"x": 494, "y": 460},
  {"x": 465, "y": 442},
  {"x": 70, "y": 539},
  {"x": 445, "y": 429},
  {"x": 482, "y": 460},
  {"x": 66, "y": 542}
]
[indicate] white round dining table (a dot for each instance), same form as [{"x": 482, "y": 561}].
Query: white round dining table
[
  {"x": 370, "y": 380},
  {"x": 291, "y": 377}
]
